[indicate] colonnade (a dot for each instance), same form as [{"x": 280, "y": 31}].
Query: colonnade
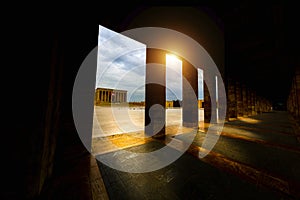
[{"x": 105, "y": 95}]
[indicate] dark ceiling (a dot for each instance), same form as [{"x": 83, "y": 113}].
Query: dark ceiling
[
  {"x": 262, "y": 47},
  {"x": 261, "y": 41}
]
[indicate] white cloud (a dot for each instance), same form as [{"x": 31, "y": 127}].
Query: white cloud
[{"x": 121, "y": 65}]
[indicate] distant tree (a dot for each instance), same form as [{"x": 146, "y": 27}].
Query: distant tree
[{"x": 176, "y": 103}]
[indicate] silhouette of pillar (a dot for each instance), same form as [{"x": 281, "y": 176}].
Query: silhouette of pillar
[
  {"x": 297, "y": 93},
  {"x": 239, "y": 100},
  {"x": 190, "y": 95},
  {"x": 259, "y": 104},
  {"x": 220, "y": 100},
  {"x": 249, "y": 110},
  {"x": 253, "y": 102},
  {"x": 263, "y": 103},
  {"x": 294, "y": 99},
  {"x": 210, "y": 113},
  {"x": 231, "y": 99},
  {"x": 155, "y": 93},
  {"x": 245, "y": 101},
  {"x": 256, "y": 103}
]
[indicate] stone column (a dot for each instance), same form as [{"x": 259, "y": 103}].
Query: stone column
[
  {"x": 96, "y": 97},
  {"x": 294, "y": 98},
  {"x": 189, "y": 95},
  {"x": 255, "y": 103},
  {"x": 245, "y": 101},
  {"x": 249, "y": 110},
  {"x": 239, "y": 99},
  {"x": 263, "y": 103},
  {"x": 253, "y": 96},
  {"x": 210, "y": 114},
  {"x": 221, "y": 99},
  {"x": 297, "y": 92},
  {"x": 155, "y": 93},
  {"x": 231, "y": 99},
  {"x": 99, "y": 97},
  {"x": 259, "y": 102}
]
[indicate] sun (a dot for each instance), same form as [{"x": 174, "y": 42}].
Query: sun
[{"x": 172, "y": 59}]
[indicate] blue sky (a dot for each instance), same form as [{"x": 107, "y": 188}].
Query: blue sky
[{"x": 121, "y": 65}]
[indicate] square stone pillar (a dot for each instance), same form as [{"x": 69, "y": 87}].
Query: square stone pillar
[
  {"x": 249, "y": 110},
  {"x": 239, "y": 99},
  {"x": 253, "y": 103},
  {"x": 231, "y": 99},
  {"x": 245, "y": 101},
  {"x": 189, "y": 95},
  {"x": 97, "y": 97},
  {"x": 258, "y": 104},
  {"x": 221, "y": 99},
  {"x": 210, "y": 114},
  {"x": 253, "y": 100},
  {"x": 297, "y": 93},
  {"x": 155, "y": 93}
]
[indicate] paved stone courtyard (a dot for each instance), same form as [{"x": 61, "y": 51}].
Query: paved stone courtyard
[{"x": 255, "y": 158}]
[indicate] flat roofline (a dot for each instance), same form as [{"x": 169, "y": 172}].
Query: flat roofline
[{"x": 111, "y": 89}]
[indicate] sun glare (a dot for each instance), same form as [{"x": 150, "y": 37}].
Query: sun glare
[{"x": 172, "y": 59}]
